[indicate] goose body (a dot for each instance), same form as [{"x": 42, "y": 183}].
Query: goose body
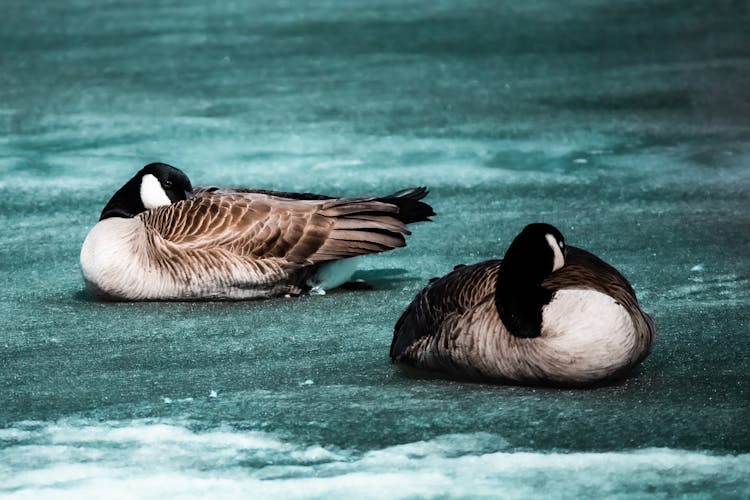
[
  {"x": 160, "y": 239},
  {"x": 560, "y": 316}
]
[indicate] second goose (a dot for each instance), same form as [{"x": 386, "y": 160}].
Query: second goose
[{"x": 546, "y": 313}]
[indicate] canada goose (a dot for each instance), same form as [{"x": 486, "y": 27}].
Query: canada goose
[
  {"x": 160, "y": 239},
  {"x": 546, "y": 313}
]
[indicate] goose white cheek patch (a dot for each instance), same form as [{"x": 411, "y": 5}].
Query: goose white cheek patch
[
  {"x": 559, "y": 259},
  {"x": 152, "y": 194}
]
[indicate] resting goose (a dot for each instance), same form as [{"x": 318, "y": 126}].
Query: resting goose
[
  {"x": 160, "y": 239},
  {"x": 546, "y": 313}
]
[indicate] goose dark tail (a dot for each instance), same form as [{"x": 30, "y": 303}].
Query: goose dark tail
[{"x": 410, "y": 207}]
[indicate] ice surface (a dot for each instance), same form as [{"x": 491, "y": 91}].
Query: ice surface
[
  {"x": 144, "y": 459},
  {"x": 627, "y": 124}
]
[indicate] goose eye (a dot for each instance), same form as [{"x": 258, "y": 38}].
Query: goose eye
[
  {"x": 562, "y": 245},
  {"x": 167, "y": 184}
]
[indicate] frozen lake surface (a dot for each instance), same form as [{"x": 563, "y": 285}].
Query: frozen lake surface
[{"x": 625, "y": 124}]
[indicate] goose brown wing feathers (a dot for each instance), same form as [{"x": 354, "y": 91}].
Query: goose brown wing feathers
[
  {"x": 410, "y": 208},
  {"x": 437, "y": 309},
  {"x": 583, "y": 269},
  {"x": 260, "y": 226}
]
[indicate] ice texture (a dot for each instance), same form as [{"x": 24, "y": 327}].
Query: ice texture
[
  {"x": 626, "y": 124},
  {"x": 145, "y": 459}
]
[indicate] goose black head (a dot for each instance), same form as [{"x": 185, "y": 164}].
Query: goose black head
[
  {"x": 537, "y": 251},
  {"x": 155, "y": 185}
]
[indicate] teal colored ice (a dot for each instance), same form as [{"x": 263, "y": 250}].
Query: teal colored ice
[{"x": 626, "y": 125}]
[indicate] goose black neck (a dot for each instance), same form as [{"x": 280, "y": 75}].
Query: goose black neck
[
  {"x": 126, "y": 202},
  {"x": 519, "y": 299}
]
